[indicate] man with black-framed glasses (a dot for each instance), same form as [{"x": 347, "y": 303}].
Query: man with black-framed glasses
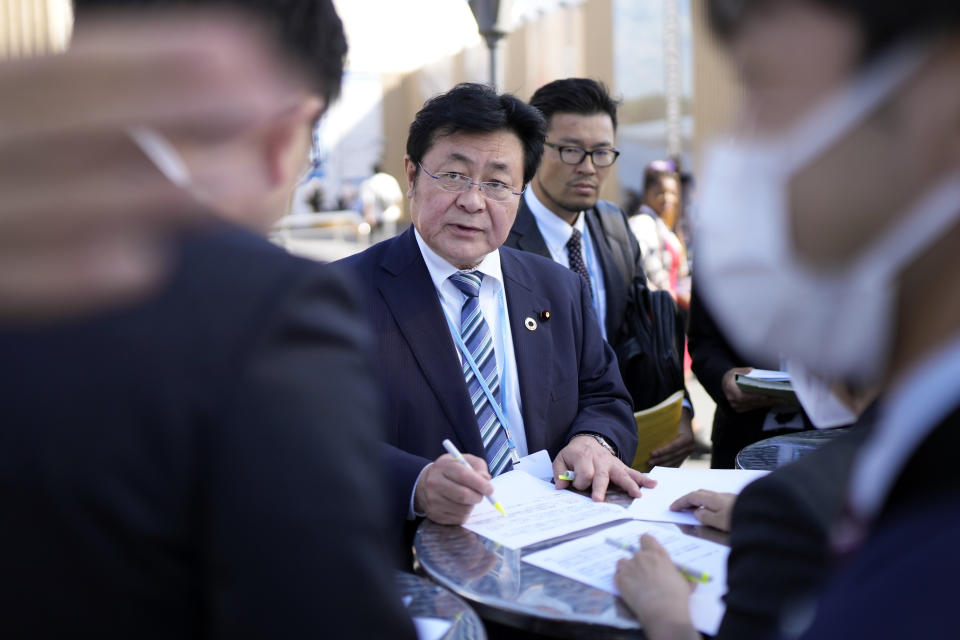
[{"x": 562, "y": 218}]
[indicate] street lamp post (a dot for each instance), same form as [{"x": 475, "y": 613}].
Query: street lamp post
[{"x": 487, "y": 14}]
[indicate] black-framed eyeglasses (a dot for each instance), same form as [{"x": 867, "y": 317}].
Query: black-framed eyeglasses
[
  {"x": 575, "y": 155},
  {"x": 458, "y": 183}
]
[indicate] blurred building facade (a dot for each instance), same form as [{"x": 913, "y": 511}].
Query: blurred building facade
[
  {"x": 651, "y": 53},
  {"x": 33, "y": 27},
  {"x": 677, "y": 86}
]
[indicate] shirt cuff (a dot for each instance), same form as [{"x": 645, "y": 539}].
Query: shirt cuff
[{"x": 411, "y": 513}]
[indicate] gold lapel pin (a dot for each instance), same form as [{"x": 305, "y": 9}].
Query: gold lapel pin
[{"x": 530, "y": 324}]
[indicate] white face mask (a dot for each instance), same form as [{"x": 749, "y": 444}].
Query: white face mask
[{"x": 838, "y": 323}]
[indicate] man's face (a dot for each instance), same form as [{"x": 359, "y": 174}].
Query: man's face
[
  {"x": 789, "y": 57},
  {"x": 462, "y": 228},
  {"x": 568, "y": 189},
  {"x": 792, "y": 57}
]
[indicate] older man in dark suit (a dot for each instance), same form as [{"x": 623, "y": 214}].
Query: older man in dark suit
[{"x": 497, "y": 350}]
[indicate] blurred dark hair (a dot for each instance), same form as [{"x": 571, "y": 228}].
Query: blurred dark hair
[
  {"x": 882, "y": 22},
  {"x": 656, "y": 171},
  {"x": 309, "y": 32},
  {"x": 476, "y": 108},
  {"x": 575, "y": 95}
]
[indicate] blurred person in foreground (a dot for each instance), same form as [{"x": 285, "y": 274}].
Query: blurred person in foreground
[
  {"x": 655, "y": 224},
  {"x": 561, "y": 217},
  {"x": 839, "y": 205},
  {"x": 451, "y": 307},
  {"x": 162, "y": 455}
]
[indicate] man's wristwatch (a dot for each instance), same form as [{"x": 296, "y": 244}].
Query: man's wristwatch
[{"x": 602, "y": 440}]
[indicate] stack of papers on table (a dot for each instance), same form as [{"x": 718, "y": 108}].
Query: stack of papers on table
[
  {"x": 675, "y": 483},
  {"x": 593, "y": 561},
  {"x": 537, "y": 511}
]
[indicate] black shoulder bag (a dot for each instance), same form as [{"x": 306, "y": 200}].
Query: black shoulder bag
[{"x": 650, "y": 353}]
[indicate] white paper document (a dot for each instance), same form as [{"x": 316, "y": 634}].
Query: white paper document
[
  {"x": 536, "y": 511},
  {"x": 593, "y": 561},
  {"x": 768, "y": 375},
  {"x": 536, "y": 464},
  {"x": 675, "y": 483}
]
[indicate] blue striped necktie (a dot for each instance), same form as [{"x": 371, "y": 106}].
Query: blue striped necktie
[{"x": 479, "y": 342}]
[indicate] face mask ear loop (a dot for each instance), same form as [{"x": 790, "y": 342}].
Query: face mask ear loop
[
  {"x": 927, "y": 220},
  {"x": 842, "y": 111}
]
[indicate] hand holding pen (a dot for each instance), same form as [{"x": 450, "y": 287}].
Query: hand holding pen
[
  {"x": 452, "y": 450},
  {"x": 688, "y": 572},
  {"x": 655, "y": 591}
]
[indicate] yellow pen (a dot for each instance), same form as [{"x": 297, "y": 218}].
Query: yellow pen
[
  {"x": 452, "y": 450},
  {"x": 691, "y": 574}
]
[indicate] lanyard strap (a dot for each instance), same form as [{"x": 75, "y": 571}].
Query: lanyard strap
[{"x": 496, "y": 406}]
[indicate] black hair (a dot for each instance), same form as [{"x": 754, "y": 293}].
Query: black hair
[
  {"x": 476, "y": 108},
  {"x": 882, "y": 23},
  {"x": 583, "y": 96},
  {"x": 652, "y": 176},
  {"x": 309, "y": 32}
]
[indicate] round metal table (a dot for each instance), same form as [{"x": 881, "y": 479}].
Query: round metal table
[
  {"x": 780, "y": 450},
  {"x": 427, "y": 599},
  {"x": 505, "y": 590}
]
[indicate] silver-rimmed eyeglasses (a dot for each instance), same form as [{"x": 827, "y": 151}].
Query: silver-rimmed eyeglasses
[
  {"x": 458, "y": 183},
  {"x": 575, "y": 155}
]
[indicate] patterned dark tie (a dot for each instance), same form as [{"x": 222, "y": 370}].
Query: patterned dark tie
[
  {"x": 576, "y": 258},
  {"x": 479, "y": 342}
]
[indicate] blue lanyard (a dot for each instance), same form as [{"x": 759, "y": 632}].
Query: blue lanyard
[{"x": 496, "y": 406}]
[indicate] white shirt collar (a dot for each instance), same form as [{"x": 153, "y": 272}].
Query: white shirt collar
[
  {"x": 554, "y": 229},
  {"x": 913, "y": 408},
  {"x": 440, "y": 270}
]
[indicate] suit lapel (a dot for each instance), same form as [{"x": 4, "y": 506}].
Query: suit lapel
[
  {"x": 406, "y": 287},
  {"x": 532, "y": 349},
  {"x": 525, "y": 234},
  {"x": 613, "y": 271}
]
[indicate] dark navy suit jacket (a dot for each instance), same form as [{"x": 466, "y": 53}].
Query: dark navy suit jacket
[
  {"x": 196, "y": 465},
  {"x": 568, "y": 376},
  {"x": 619, "y": 261}
]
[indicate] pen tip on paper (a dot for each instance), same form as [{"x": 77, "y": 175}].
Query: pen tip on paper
[{"x": 499, "y": 508}]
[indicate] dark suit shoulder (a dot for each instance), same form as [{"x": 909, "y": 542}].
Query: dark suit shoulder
[
  {"x": 901, "y": 583},
  {"x": 779, "y": 538}
]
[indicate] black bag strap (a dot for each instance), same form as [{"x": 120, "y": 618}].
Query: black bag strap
[{"x": 614, "y": 224}]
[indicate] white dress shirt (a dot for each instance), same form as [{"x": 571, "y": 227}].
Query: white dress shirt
[
  {"x": 493, "y": 306},
  {"x": 556, "y": 233}
]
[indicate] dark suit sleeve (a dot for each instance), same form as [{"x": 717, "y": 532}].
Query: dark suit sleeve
[
  {"x": 778, "y": 552},
  {"x": 711, "y": 355},
  {"x": 404, "y": 469},
  {"x": 780, "y": 538},
  {"x": 296, "y": 543},
  {"x": 605, "y": 405}
]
